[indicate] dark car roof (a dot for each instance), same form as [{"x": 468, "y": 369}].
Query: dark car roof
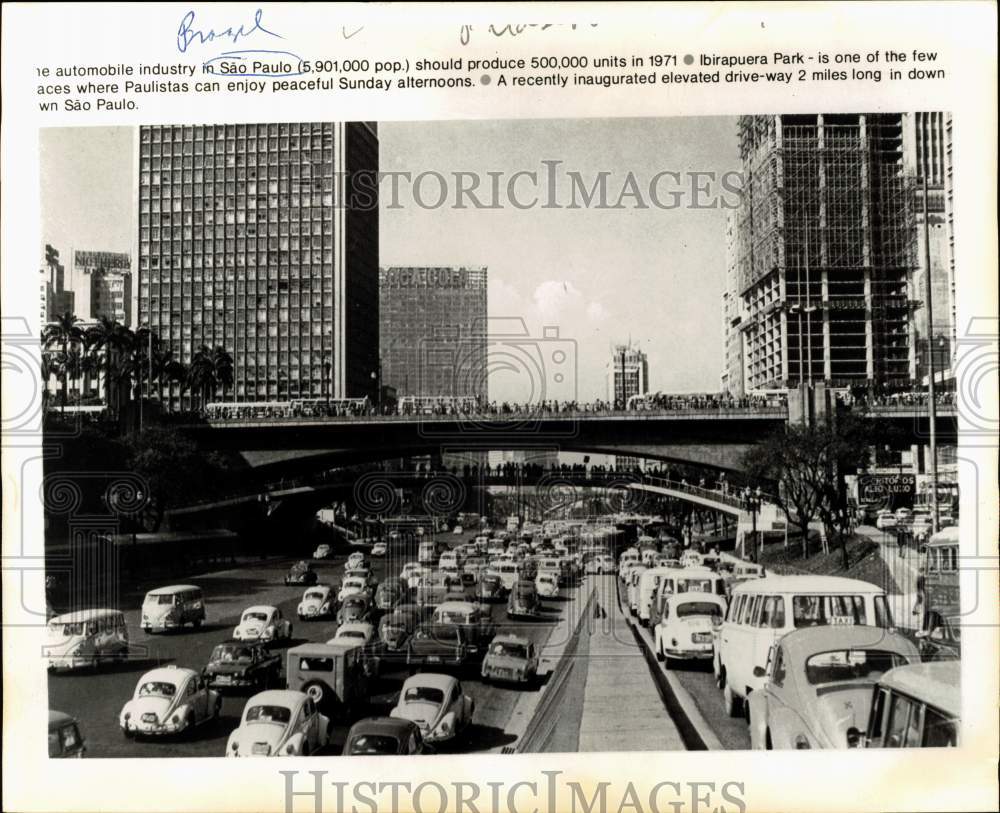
[{"x": 383, "y": 725}]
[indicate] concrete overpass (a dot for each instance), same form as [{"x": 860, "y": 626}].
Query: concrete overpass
[{"x": 713, "y": 438}]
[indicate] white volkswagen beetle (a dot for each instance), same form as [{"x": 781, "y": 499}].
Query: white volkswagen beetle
[
  {"x": 436, "y": 704},
  {"x": 316, "y": 602},
  {"x": 169, "y": 700},
  {"x": 262, "y": 622},
  {"x": 685, "y": 629},
  {"x": 279, "y": 723}
]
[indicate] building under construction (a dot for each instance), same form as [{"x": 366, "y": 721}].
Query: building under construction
[{"x": 825, "y": 251}]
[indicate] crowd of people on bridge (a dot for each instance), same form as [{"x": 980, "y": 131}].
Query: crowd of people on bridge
[{"x": 914, "y": 398}]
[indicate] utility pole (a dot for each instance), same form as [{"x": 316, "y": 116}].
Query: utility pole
[{"x": 931, "y": 387}]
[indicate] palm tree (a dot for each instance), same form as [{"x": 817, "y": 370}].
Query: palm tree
[
  {"x": 64, "y": 334},
  {"x": 210, "y": 369},
  {"x": 117, "y": 342}
]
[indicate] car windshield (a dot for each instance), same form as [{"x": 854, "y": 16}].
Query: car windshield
[
  {"x": 354, "y": 583},
  {"x": 692, "y": 608},
  {"x": 317, "y": 595},
  {"x": 814, "y": 611},
  {"x": 300, "y": 567},
  {"x": 160, "y": 598},
  {"x": 454, "y": 617},
  {"x": 694, "y": 586},
  {"x": 269, "y": 714},
  {"x": 157, "y": 687},
  {"x": 255, "y": 616},
  {"x": 423, "y": 694},
  {"x": 354, "y": 603},
  {"x": 509, "y": 649},
  {"x": 231, "y": 654},
  {"x": 850, "y": 664},
  {"x": 370, "y": 744},
  {"x": 67, "y": 630}
]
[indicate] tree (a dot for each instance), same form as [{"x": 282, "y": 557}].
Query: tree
[
  {"x": 176, "y": 471},
  {"x": 807, "y": 463},
  {"x": 65, "y": 334},
  {"x": 110, "y": 344},
  {"x": 209, "y": 370}
]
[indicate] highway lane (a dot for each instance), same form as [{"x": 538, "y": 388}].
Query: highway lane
[{"x": 96, "y": 698}]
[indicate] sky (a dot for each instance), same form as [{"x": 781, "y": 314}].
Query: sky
[{"x": 602, "y": 276}]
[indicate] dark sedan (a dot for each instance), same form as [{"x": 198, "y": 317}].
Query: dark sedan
[
  {"x": 301, "y": 573},
  {"x": 384, "y": 736},
  {"x": 439, "y": 646},
  {"x": 243, "y": 665}
]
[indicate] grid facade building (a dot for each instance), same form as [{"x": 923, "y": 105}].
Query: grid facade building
[
  {"x": 826, "y": 251},
  {"x": 731, "y": 379},
  {"x": 56, "y": 298},
  {"x": 628, "y": 374},
  {"x": 432, "y": 331},
  {"x": 248, "y": 242}
]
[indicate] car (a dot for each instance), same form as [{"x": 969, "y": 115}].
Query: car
[
  {"x": 380, "y": 549},
  {"x": 242, "y": 665},
  {"x": 322, "y": 552},
  {"x": 65, "y": 741},
  {"x": 396, "y": 627},
  {"x": 523, "y": 601},
  {"x": 473, "y": 618},
  {"x": 914, "y": 706},
  {"x": 490, "y": 586},
  {"x": 458, "y": 529},
  {"x": 390, "y": 593},
  {"x": 415, "y": 577},
  {"x": 334, "y": 675},
  {"x": 436, "y": 704},
  {"x": 172, "y": 607},
  {"x": 442, "y": 645},
  {"x": 317, "y": 602},
  {"x": 547, "y": 583},
  {"x": 356, "y": 559},
  {"x": 356, "y": 607},
  {"x": 301, "y": 573},
  {"x": 354, "y": 586},
  {"x": 408, "y": 569},
  {"x": 904, "y": 516},
  {"x": 886, "y": 521},
  {"x": 684, "y": 631},
  {"x": 384, "y": 736},
  {"x": 818, "y": 685},
  {"x": 361, "y": 572},
  {"x": 510, "y": 658},
  {"x": 360, "y": 632},
  {"x": 169, "y": 700},
  {"x": 279, "y": 723},
  {"x": 262, "y": 622}
]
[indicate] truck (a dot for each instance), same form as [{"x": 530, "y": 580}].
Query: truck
[{"x": 333, "y": 675}]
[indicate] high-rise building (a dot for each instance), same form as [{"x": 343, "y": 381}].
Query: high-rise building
[
  {"x": 56, "y": 298},
  {"x": 731, "y": 379},
  {"x": 102, "y": 281},
  {"x": 927, "y": 144},
  {"x": 826, "y": 250},
  {"x": 628, "y": 374},
  {"x": 249, "y": 242},
  {"x": 432, "y": 331}
]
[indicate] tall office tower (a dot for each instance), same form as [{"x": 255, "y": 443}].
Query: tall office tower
[
  {"x": 731, "y": 379},
  {"x": 826, "y": 250},
  {"x": 252, "y": 238},
  {"x": 432, "y": 331},
  {"x": 56, "y": 299},
  {"x": 927, "y": 139},
  {"x": 628, "y": 374},
  {"x": 102, "y": 281}
]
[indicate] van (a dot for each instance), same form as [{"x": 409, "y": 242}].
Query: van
[
  {"x": 632, "y": 586},
  {"x": 64, "y": 737},
  {"x": 172, "y": 607},
  {"x": 649, "y": 582},
  {"x": 915, "y": 706},
  {"x": 762, "y": 610},
  {"x": 684, "y": 580},
  {"x": 86, "y": 638},
  {"x": 427, "y": 552},
  {"x": 508, "y": 572}
]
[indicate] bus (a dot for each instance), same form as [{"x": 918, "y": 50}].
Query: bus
[{"x": 938, "y": 597}]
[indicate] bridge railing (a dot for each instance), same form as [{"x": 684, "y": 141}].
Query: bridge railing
[{"x": 720, "y": 493}]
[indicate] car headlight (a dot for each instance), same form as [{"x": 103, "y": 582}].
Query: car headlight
[
  {"x": 801, "y": 742},
  {"x": 234, "y": 745},
  {"x": 290, "y": 749},
  {"x": 175, "y": 719}
]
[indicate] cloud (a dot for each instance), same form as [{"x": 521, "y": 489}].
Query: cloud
[
  {"x": 596, "y": 312},
  {"x": 556, "y": 298}
]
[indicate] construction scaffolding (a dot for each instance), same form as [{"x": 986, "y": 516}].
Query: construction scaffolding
[{"x": 826, "y": 249}]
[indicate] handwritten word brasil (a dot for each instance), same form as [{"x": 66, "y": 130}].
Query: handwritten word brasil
[{"x": 188, "y": 35}]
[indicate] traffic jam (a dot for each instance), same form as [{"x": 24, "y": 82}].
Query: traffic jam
[
  {"x": 801, "y": 661},
  {"x": 400, "y": 647}
]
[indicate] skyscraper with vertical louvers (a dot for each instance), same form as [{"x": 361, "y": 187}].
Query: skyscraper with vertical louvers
[{"x": 250, "y": 240}]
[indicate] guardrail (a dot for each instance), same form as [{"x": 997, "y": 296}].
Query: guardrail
[{"x": 549, "y": 711}]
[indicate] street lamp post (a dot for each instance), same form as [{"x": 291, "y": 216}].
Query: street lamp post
[{"x": 752, "y": 499}]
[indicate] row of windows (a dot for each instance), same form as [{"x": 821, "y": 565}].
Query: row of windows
[
  {"x": 318, "y": 206},
  {"x": 291, "y": 316},
  {"x": 160, "y": 183},
  {"x": 239, "y": 166},
  {"x": 170, "y": 133},
  {"x": 263, "y": 263}
]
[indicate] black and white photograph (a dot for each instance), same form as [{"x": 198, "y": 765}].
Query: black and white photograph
[{"x": 505, "y": 436}]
